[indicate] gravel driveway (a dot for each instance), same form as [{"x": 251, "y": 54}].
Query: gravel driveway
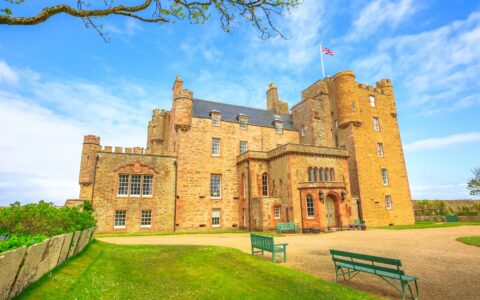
[{"x": 446, "y": 269}]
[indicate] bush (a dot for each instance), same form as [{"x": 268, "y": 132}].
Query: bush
[
  {"x": 44, "y": 219},
  {"x": 19, "y": 240}
]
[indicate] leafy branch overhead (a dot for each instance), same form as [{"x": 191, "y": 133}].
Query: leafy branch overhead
[{"x": 259, "y": 13}]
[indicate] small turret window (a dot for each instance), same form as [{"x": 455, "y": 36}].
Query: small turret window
[
  {"x": 353, "y": 106},
  {"x": 372, "y": 101},
  {"x": 279, "y": 128},
  {"x": 376, "y": 124},
  {"x": 216, "y": 120}
]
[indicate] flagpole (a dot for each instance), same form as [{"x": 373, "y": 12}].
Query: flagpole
[{"x": 321, "y": 57}]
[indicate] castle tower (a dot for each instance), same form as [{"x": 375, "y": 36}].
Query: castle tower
[
  {"x": 313, "y": 116},
  {"x": 91, "y": 145},
  {"x": 368, "y": 128},
  {"x": 182, "y": 106},
  {"x": 156, "y": 131}
]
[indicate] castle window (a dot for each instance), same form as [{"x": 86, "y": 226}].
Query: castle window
[
  {"x": 310, "y": 208},
  {"x": 372, "y": 101},
  {"x": 276, "y": 211},
  {"x": 303, "y": 130},
  {"x": 216, "y": 120},
  {"x": 320, "y": 174},
  {"x": 122, "y": 185},
  {"x": 353, "y": 106},
  {"x": 243, "y": 146},
  {"x": 147, "y": 185},
  {"x": 384, "y": 176},
  {"x": 380, "y": 149},
  {"x": 326, "y": 174},
  {"x": 336, "y": 124},
  {"x": 315, "y": 177},
  {"x": 265, "y": 184},
  {"x": 120, "y": 219},
  {"x": 243, "y": 123},
  {"x": 215, "y": 186},
  {"x": 215, "y": 147},
  {"x": 215, "y": 217},
  {"x": 388, "y": 201},
  {"x": 376, "y": 124},
  {"x": 146, "y": 219},
  {"x": 309, "y": 174},
  {"x": 332, "y": 175},
  {"x": 279, "y": 128},
  {"x": 135, "y": 184}
]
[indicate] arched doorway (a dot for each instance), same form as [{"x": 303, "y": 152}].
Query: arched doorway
[{"x": 331, "y": 211}]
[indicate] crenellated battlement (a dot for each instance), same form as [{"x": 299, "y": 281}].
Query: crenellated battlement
[
  {"x": 126, "y": 150},
  {"x": 371, "y": 88}
]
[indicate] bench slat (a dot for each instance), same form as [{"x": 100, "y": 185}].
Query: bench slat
[
  {"x": 383, "y": 260},
  {"x": 374, "y": 268}
]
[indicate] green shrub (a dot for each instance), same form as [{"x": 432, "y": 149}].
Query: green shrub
[
  {"x": 44, "y": 219},
  {"x": 19, "y": 240}
]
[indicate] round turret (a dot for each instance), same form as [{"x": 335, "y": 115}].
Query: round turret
[{"x": 346, "y": 98}]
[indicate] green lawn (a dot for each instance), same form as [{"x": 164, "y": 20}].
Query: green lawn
[
  {"x": 182, "y": 232},
  {"x": 107, "y": 271},
  {"x": 470, "y": 240},
  {"x": 422, "y": 225}
]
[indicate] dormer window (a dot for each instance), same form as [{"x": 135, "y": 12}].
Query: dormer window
[
  {"x": 243, "y": 121},
  {"x": 216, "y": 117},
  {"x": 278, "y": 123}
]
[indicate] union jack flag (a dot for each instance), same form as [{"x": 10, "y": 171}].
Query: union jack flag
[{"x": 327, "y": 51}]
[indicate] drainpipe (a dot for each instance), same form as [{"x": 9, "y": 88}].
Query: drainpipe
[
  {"x": 175, "y": 198},
  {"x": 249, "y": 197},
  {"x": 94, "y": 177},
  {"x": 301, "y": 206}
]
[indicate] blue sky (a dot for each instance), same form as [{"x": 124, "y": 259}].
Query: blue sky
[{"x": 59, "y": 81}]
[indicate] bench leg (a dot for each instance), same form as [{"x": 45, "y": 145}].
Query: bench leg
[
  {"x": 284, "y": 254},
  {"x": 403, "y": 290},
  {"x": 274, "y": 258}
]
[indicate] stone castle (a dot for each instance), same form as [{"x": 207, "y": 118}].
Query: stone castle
[{"x": 334, "y": 157}]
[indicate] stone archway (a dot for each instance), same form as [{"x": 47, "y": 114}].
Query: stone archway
[{"x": 331, "y": 211}]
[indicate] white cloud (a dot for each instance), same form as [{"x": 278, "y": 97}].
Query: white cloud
[
  {"x": 43, "y": 123},
  {"x": 455, "y": 191},
  {"x": 436, "y": 70},
  {"x": 7, "y": 74},
  {"x": 378, "y": 14},
  {"x": 444, "y": 142}
]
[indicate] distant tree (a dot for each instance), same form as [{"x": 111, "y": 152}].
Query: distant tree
[
  {"x": 474, "y": 183},
  {"x": 259, "y": 13}
]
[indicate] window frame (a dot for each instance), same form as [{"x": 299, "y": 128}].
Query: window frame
[
  {"x": 373, "y": 101},
  {"x": 380, "y": 152},
  {"x": 150, "y": 186},
  {"x": 116, "y": 217},
  {"x": 310, "y": 207},
  {"x": 143, "y": 218},
  {"x": 127, "y": 186},
  {"x": 315, "y": 174},
  {"x": 309, "y": 174},
  {"x": 332, "y": 175},
  {"x": 376, "y": 124},
  {"x": 320, "y": 173},
  {"x": 213, "y": 145},
  {"x": 388, "y": 203},
  {"x": 216, "y": 120},
  {"x": 302, "y": 130},
  {"x": 279, "y": 128},
  {"x": 243, "y": 123},
  {"x": 384, "y": 173},
  {"x": 219, "y": 186},
  {"x": 215, "y": 224},
  {"x": 265, "y": 178},
  {"x": 245, "y": 143},
  {"x": 130, "y": 194},
  {"x": 277, "y": 212},
  {"x": 326, "y": 174}
]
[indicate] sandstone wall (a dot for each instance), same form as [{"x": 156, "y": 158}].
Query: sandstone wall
[{"x": 23, "y": 266}]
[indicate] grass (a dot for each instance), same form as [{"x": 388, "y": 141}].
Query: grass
[
  {"x": 107, "y": 271},
  {"x": 182, "y": 232},
  {"x": 422, "y": 225},
  {"x": 470, "y": 240}
]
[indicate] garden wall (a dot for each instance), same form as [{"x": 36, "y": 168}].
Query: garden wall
[{"x": 23, "y": 266}]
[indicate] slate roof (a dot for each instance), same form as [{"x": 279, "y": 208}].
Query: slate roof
[{"x": 261, "y": 117}]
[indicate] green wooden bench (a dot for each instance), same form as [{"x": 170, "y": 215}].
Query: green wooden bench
[
  {"x": 289, "y": 226},
  {"x": 358, "y": 224},
  {"x": 265, "y": 243},
  {"x": 349, "y": 264}
]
